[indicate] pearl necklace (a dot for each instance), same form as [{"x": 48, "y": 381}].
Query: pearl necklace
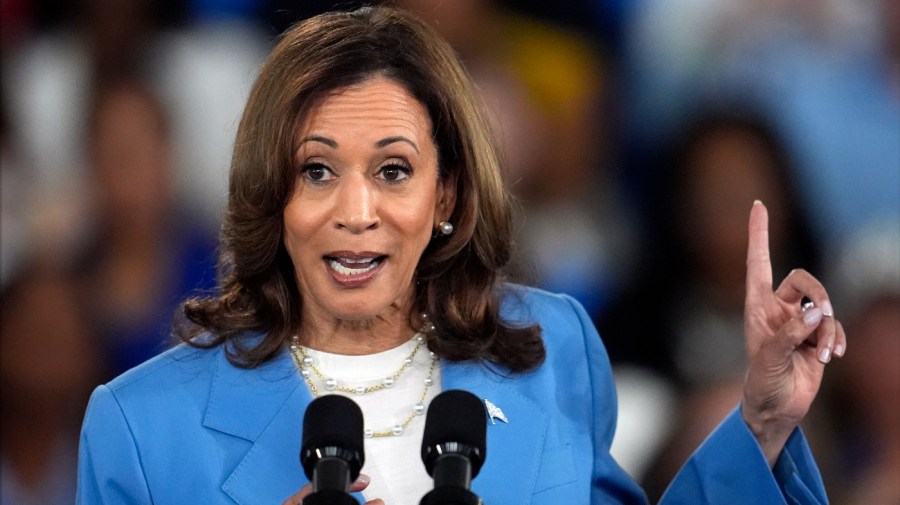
[{"x": 306, "y": 364}]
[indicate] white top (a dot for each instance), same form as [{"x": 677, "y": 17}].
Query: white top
[{"x": 393, "y": 463}]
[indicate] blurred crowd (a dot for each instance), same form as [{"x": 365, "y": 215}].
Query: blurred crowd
[{"x": 636, "y": 134}]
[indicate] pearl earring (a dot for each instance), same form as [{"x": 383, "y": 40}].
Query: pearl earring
[{"x": 445, "y": 227}]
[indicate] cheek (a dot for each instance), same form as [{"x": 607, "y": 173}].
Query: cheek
[
  {"x": 298, "y": 236},
  {"x": 415, "y": 225},
  {"x": 417, "y": 229},
  {"x": 419, "y": 217}
]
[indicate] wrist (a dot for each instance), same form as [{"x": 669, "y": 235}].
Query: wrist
[{"x": 771, "y": 432}]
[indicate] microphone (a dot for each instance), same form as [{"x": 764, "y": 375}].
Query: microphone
[
  {"x": 332, "y": 451},
  {"x": 454, "y": 447}
]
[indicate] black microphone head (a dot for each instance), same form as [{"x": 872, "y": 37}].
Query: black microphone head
[
  {"x": 456, "y": 423},
  {"x": 332, "y": 426}
]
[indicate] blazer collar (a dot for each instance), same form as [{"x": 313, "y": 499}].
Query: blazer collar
[
  {"x": 242, "y": 402},
  {"x": 266, "y": 405}
]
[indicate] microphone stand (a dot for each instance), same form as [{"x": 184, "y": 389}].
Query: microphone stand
[{"x": 452, "y": 477}]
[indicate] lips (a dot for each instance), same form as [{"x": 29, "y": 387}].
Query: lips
[{"x": 354, "y": 269}]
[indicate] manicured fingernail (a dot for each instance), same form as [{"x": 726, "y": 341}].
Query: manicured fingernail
[
  {"x": 363, "y": 479},
  {"x": 812, "y": 316},
  {"x": 825, "y": 355},
  {"x": 757, "y": 202},
  {"x": 827, "y": 310},
  {"x": 839, "y": 350}
]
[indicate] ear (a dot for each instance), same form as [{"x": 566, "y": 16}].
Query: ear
[{"x": 446, "y": 198}]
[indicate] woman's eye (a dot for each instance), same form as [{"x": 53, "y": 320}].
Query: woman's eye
[
  {"x": 317, "y": 172},
  {"x": 394, "y": 172}
]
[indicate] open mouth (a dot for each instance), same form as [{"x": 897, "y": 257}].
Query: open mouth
[{"x": 354, "y": 266}]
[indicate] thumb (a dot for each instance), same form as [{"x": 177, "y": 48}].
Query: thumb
[
  {"x": 799, "y": 329},
  {"x": 361, "y": 483}
]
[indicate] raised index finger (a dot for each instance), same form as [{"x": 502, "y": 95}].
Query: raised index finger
[{"x": 759, "y": 264}]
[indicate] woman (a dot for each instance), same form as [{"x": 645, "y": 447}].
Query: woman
[{"x": 365, "y": 192}]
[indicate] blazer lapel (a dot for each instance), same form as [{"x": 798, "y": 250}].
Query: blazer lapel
[
  {"x": 264, "y": 406},
  {"x": 514, "y": 445}
]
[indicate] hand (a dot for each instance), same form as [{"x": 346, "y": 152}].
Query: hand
[
  {"x": 361, "y": 483},
  {"x": 788, "y": 347}
]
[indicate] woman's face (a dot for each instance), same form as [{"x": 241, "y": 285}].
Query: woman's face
[{"x": 365, "y": 201}]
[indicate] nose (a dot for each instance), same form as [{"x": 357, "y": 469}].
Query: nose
[{"x": 356, "y": 207}]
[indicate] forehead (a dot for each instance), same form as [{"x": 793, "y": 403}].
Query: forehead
[{"x": 370, "y": 108}]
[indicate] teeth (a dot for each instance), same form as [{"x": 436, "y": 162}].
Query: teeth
[
  {"x": 348, "y": 260},
  {"x": 341, "y": 269}
]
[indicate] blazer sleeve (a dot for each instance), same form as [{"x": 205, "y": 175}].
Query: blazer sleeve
[
  {"x": 109, "y": 465},
  {"x": 729, "y": 467}
]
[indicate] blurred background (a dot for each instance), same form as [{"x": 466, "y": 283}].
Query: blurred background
[{"x": 637, "y": 135}]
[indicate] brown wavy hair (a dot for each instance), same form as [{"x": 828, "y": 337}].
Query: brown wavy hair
[{"x": 459, "y": 277}]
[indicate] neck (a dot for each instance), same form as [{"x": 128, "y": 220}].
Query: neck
[{"x": 356, "y": 337}]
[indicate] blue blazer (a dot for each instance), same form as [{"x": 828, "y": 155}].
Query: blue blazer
[{"x": 188, "y": 427}]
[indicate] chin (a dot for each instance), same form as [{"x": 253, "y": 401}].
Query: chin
[{"x": 363, "y": 311}]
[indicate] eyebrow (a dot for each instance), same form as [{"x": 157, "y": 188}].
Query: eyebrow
[
  {"x": 318, "y": 138},
  {"x": 397, "y": 138},
  {"x": 380, "y": 144}
]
